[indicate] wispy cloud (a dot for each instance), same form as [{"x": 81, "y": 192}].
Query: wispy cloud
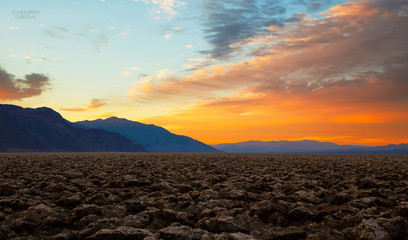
[
  {"x": 125, "y": 32},
  {"x": 168, "y": 35},
  {"x": 134, "y": 68},
  {"x": 122, "y": 34},
  {"x": 126, "y": 73},
  {"x": 129, "y": 70},
  {"x": 198, "y": 63},
  {"x": 95, "y": 104},
  {"x": 12, "y": 88},
  {"x": 166, "y": 7},
  {"x": 144, "y": 1},
  {"x": 168, "y": 31},
  {"x": 94, "y": 36}
]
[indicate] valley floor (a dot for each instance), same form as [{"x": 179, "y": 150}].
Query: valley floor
[{"x": 203, "y": 196}]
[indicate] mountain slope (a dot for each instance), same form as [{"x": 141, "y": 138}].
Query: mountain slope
[
  {"x": 152, "y": 137},
  {"x": 44, "y": 130},
  {"x": 306, "y": 146}
]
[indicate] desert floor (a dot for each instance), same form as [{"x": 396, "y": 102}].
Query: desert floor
[{"x": 203, "y": 196}]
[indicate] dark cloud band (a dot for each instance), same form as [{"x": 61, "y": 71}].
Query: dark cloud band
[{"x": 230, "y": 24}]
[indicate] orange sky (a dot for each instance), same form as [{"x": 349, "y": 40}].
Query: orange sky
[{"x": 340, "y": 76}]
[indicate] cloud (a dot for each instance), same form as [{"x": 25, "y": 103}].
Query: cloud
[
  {"x": 126, "y": 73},
  {"x": 134, "y": 68},
  {"x": 12, "y": 88},
  {"x": 168, "y": 35},
  {"x": 189, "y": 46},
  {"x": 314, "y": 5},
  {"x": 168, "y": 31},
  {"x": 164, "y": 6},
  {"x": 95, "y": 104},
  {"x": 129, "y": 70},
  {"x": 56, "y": 32},
  {"x": 198, "y": 63},
  {"x": 347, "y": 48},
  {"x": 141, "y": 90},
  {"x": 74, "y": 109},
  {"x": 231, "y": 25},
  {"x": 87, "y": 36},
  {"x": 228, "y": 25},
  {"x": 122, "y": 34},
  {"x": 347, "y": 67}
]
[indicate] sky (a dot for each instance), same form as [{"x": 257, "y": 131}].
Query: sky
[{"x": 219, "y": 71}]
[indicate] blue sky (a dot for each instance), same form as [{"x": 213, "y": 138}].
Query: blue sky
[
  {"x": 127, "y": 33},
  {"x": 159, "y": 61},
  {"x": 95, "y": 40}
]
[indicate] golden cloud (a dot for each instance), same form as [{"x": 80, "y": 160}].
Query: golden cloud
[
  {"x": 95, "y": 104},
  {"x": 341, "y": 74}
]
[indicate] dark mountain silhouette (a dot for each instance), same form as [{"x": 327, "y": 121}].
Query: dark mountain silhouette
[
  {"x": 151, "y": 137},
  {"x": 44, "y": 130},
  {"x": 307, "y": 146}
]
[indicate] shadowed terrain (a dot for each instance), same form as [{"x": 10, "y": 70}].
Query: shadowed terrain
[
  {"x": 45, "y": 130},
  {"x": 151, "y": 137},
  {"x": 203, "y": 196}
]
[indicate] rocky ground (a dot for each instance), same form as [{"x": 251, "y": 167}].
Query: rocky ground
[{"x": 203, "y": 196}]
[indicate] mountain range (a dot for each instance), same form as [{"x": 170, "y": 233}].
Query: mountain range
[
  {"x": 153, "y": 138},
  {"x": 44, "y": 130},
  {"x": 307, "y": 146}
]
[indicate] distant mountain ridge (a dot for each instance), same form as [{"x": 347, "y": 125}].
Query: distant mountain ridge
[
  {"x": 307, "y": 146},
  {"x": 44, "y": 130},
  {"x": 151, "y": 137}
]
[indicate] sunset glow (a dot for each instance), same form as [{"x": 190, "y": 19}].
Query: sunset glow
[{"x": 216, "y": 71}]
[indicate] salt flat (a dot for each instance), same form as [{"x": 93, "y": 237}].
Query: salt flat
[{"x": 203, "y": 196}]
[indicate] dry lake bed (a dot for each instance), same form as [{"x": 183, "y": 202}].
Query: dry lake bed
[{"x": 203, "y": 196}]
